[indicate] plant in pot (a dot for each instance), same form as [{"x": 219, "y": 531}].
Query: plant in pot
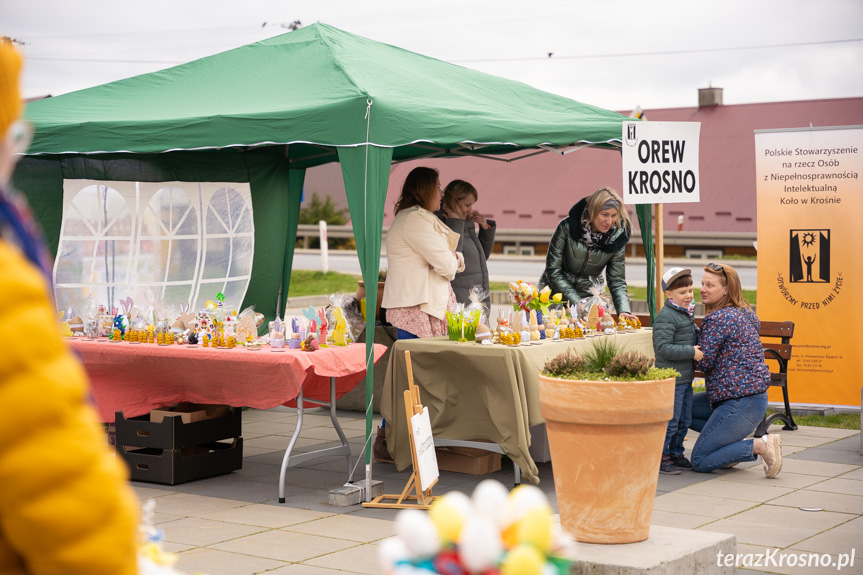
[
  {"x": 361, "y": 291},
  {"x": 606, "y": 413}
]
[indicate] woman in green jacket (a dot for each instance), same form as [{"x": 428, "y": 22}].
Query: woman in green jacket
[{"x": 591, "y": 240}]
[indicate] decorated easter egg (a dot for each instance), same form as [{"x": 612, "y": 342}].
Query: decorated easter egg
[
  {"x": 391, "y": 551},
  {"x": 418, "y": 533},
  {"x": 448, "y": 514},
  {"x": 121, "y": 322},
  {"x": 480, "y": 545},
  {"x": 490, "y": 500},
  {"x": 535, "y": 528},
  {"x": 523, "y": 560}
]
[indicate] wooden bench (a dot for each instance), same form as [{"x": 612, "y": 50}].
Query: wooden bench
[{"x": 774, "y": 351}]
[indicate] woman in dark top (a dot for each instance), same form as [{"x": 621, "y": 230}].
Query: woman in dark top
[
  {"x": 458, "y": 214},
  {"x": 736, "y": 379}
]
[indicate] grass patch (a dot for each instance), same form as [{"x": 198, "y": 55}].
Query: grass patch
[
  {"x": 837, "y": 421},
  {"x": 304, "y": 282}
]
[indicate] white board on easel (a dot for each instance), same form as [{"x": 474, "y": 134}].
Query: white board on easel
[{"x": 424, "y": 449}]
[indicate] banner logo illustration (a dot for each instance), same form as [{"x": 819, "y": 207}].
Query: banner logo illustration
[
  {"x": 631, "y": 139},
  {"x": 809, "y": 256}
]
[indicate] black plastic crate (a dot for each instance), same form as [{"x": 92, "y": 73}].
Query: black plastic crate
[
  {"x": 172, "y": 433},
  {"x": 172, "y": 466}
]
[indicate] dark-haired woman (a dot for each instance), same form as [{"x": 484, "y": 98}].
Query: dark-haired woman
[
  {"x": 736, "y": 379},
  {"x": 421, "y": 260}
]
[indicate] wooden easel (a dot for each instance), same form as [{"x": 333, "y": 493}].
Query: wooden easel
[{"x": 422, "y": 499}]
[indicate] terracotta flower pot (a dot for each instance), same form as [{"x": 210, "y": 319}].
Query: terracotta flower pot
[
  {"x": 361, "y": 293},
  {"x": 605, "y": 439}
]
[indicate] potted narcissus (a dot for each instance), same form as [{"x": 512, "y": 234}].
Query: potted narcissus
[{"x": 606, "y": 413}]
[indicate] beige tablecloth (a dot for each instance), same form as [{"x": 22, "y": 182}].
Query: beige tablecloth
[{"x": 475, "y": 391}]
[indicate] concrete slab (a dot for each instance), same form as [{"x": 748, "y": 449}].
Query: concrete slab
[
  {"x": 857, "y": 474},
  {"x": 803, "y": 464},
  {"x": 755, "y": 476},
  {"x": 831, "y": 455},
  {"x": 775, "y": 526},
  {"x": 832, "y": 542},
  {"x": 838, "y": 502},
  {"x": 266, "y": 516},
  {"x": 190, "y": 505},
  {"x": 701, "y": 504},
  {"x": 202, "y": 532},
  {"x": 347, "y": 526},
  {"x": 757, "y": 492},
  {"x": 667, "y": 551},
  {"x": 839, "y": 485},
  {"x": 679, "y": 520},
  {"x": 360, "y": 559},
  {"x": 215, "y": 562},
  {"x": 284, "y": 545}
]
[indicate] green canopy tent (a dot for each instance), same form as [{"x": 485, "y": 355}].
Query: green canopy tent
[{"x": 265, "y": 112}]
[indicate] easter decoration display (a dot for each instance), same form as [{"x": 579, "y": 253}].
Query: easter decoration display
[
  {"x": 311, "y": 342},
  {"x": 340, "y": 331},
  {"x": 492, "y": 532},
  {"x": 63, "y": 326},
  {"x": 296, "y": 338},
  {"x": 461, "y": 324},
  {"x": 311, "y": 315},
  {"x": 322, "y": 316},
  {"x": 76, "y": 324},
  {"x": 423, "y": 458},
  {"x": 277, "y": 335},
  {"x": 591, "y": 310}
]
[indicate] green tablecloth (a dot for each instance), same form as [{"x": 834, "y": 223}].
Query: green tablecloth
[{"x": 477, "y": 392}]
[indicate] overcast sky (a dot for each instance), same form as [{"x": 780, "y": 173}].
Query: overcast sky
[{"x": 616, "y": 54}]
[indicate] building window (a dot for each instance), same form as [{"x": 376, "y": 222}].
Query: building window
[{"x": 174, "y": 242}]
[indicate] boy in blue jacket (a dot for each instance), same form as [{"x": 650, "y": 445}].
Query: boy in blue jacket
[{"x": 675, "y": 338}]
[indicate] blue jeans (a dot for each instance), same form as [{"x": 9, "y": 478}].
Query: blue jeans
[
  {"x": 723, "y": 430},
  {"x": 679, "y": 422},
  {"x": 402, "y": 334}
]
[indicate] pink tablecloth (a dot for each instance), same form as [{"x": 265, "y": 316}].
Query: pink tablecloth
[{"x": 135, "y": 378}]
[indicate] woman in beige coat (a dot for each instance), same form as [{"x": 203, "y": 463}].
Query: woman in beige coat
[{"x": 421, "y": 260}]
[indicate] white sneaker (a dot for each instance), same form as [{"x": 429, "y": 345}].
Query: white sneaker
[{"x": 771, "y": 459}]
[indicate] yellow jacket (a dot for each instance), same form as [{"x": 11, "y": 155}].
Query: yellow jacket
[
  {"x": 65, "y": 506},
  {"x": 420, "y": 262}
]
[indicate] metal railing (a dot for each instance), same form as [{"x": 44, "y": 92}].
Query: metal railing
[{"x": 518, "y": 237}]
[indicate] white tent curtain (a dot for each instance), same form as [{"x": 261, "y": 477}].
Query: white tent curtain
[{"x": 187, "y": 241}]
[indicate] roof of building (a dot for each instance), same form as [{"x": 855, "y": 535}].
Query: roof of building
[{"x": 536, "y": 192}]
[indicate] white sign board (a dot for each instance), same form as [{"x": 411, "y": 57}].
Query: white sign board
[
  {"x": 424, "y": 446},
  {"x": 660, "y": 162}
]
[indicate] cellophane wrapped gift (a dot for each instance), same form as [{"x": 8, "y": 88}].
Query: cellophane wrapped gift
[
  {"x": 592, "y": 308},
  {"x": 461, "y": 315},
  {"x": 476, "y": 302},
  {"x": 350, "y": 312}
]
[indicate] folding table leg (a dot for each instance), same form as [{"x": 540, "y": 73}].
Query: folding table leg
[{"x": 343, "y": 449}]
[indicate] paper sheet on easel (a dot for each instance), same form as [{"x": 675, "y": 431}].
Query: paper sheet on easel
[{"x": 424, "y": 445}]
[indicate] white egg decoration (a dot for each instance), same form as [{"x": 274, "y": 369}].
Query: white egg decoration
[
  {"x": 418, "y": 533},
  {"x": 391, "y": 551},
  {"x": 480, "y": 546},
  {"x": 490, "y": 500}
]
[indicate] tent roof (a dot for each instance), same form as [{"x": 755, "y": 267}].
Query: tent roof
[{"x": 310, "y": 88}]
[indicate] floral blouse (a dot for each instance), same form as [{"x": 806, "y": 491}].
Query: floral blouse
[
  {"x": 415, "y": 321},
  {"x": 733, "y": 362}
]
